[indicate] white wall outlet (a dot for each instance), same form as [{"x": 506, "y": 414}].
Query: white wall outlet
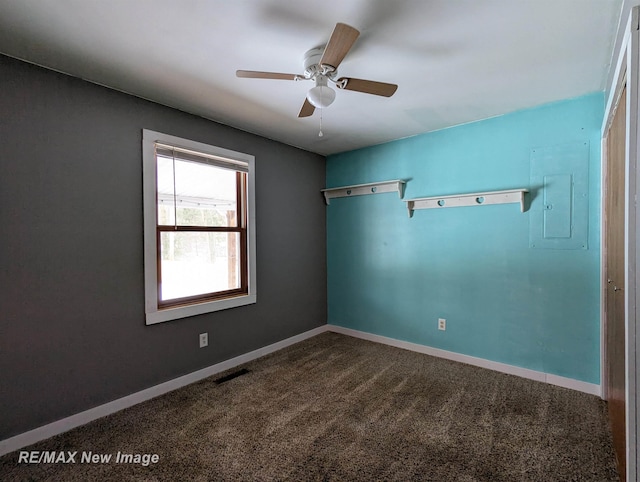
[
  {"x": 442, "y": 324},
  {"x": 204, "y": 339}
]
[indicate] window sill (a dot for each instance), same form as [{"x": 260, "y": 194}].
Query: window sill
[{"x": 174, "y": 313}]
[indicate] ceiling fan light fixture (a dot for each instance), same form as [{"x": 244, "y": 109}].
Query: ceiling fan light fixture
[{"x": 321, "y": 96}]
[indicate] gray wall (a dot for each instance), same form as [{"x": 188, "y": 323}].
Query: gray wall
[{"x": 72, "y": 329}]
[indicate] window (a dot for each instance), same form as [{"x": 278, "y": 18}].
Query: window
[{"x": 199, "y": 228}]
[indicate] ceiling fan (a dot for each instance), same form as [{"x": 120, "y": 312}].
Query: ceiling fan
[{"x": 321, "y": 66}]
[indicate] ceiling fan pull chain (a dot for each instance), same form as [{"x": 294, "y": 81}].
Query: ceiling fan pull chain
[{"x": 320, "y": 134}]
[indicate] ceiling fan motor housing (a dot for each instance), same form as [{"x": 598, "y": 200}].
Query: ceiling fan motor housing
[{"x": 312, "y": 65}]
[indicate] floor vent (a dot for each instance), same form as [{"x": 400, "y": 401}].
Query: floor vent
[{"x": 231, "y": 376}]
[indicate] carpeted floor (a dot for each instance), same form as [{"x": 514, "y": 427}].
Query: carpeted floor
[{"x": 339, "y": 408}]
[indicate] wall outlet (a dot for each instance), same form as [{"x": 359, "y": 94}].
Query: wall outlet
[
  {"x": 204, "y": 339},
  {"x": 442, "y": 324}
]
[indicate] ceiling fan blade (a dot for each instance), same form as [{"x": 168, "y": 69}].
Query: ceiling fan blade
[
  {"x": 253, "y": 74},
  {"x": 307, "y": 109},
  {"x": 341, "y": 41},
  {"x": 369, "y": 86}
]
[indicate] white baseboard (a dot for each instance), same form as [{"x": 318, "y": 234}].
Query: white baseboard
[
  {"x": 578, "y": 385},
  {"x": 55, "y": 428}
]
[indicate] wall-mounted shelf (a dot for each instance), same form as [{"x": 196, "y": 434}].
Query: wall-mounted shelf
[
  {"x": 362, "y": 189},
  {"x": 471, "y": 199}
]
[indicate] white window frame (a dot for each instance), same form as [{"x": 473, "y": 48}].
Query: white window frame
[{"x": 149, "y": 179}]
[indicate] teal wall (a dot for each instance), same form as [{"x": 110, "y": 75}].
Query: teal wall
[{"x": 392, "y": 275}]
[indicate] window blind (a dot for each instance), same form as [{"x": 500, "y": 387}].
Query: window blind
[{"x": 182, "y": 154}]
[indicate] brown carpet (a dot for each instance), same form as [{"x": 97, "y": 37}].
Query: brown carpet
[{"x": 338, "y": 408}]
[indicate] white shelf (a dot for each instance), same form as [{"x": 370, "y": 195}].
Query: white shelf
[
  {"x": 396, "y": 185},
  {"x": 471, "y": 199}
]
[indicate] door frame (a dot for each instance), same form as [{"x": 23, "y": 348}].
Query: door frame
[{"x": 626, "y": 70}]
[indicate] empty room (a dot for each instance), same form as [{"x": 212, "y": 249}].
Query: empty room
[{"x": 319, "y": 240}]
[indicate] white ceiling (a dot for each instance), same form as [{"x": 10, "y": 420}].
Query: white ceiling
[{"x": 455, "y": 61}]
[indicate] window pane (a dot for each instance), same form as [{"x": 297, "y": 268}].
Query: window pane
[
  {"x": 197, "y": 263},
  {"x": 165, "y": 192},
  {"x": 205, "y": 195}
]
